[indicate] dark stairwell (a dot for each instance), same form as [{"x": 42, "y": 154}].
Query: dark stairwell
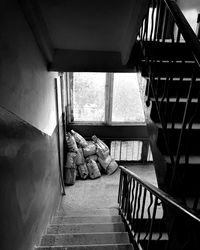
[{"x": 168, "y": 56}]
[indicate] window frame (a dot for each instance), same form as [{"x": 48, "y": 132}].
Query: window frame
[{"x": 108, "y": 103}]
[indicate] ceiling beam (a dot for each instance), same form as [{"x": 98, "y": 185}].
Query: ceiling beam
[
  {"x": 88, "y": 61},
  {"x": 38, "y": 26}
]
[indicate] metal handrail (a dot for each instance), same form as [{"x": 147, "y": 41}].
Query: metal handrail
[
  {"x": 164, "y": 197},
  {"x": 167, "y": 23},
  {"x": 152, "y": 217},
  {"x": 186, "y": 30}
]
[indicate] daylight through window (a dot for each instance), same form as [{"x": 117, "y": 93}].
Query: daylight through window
[{"x": 105, "y": 98}]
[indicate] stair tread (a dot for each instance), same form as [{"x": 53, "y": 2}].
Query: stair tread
[
  {"x": 161, "y": 50},
  {"x": 127, "y": 246},
  {"x": 84, "y": 228},
  {"x": 165, "y": 68},
  {"x": 85, "y": 219},
  {"x": 84, "y": 238},
  {"x": 173, "y": 99},
  {"x": 89, "y": 233},
  {"x": 193, "y": 159},
  {"x": 195, "y": 126},
  {"x": 89, "y": 212},
  {"x": 87, "y": 216},
  {"x": 155, "y": 236}
]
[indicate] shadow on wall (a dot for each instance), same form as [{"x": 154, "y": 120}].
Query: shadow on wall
[{"x": 29, "y": 182}]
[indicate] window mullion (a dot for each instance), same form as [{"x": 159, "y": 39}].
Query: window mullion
[
  {"x": 70, "y": 96},
  {"x": 109, "y": 97}
]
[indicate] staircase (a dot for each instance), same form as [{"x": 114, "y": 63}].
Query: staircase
[
  {"x": 170, "y": 85},
  {"x": 170, "y": 55},
  {"x": 92, "y": 229}
]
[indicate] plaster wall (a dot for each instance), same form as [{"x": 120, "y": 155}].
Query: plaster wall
[
  {"x": 26, "y": 88},
  {"x": 29, "y": 176}
]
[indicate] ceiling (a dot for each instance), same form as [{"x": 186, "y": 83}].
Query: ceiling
[{"x": 86, "y": 35}]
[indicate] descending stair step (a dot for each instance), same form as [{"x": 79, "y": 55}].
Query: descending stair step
[
  {"x": 193, "y": 160},
  {"x": 104, "y": 212},
  {"x": 85, "y": 228},
  {"x": 171, "y": 111},
  {"x": 190, "y": 141},
  {"x": 166, "y": 51},
  {"x": 178, "y": 126},
  {"x": 84, "y": 239},
  {"x": 187, "y": 173},
  {"x": 85, "y": 219},
  {"x": 176, "y": 87},
  {"x": 155, "y": 244},
  {"x": 90, "y": 247},
  {"x": 164, "y": 69}
]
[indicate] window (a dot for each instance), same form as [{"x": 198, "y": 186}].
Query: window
[
  {"x": 109, "y": 98},
  {"x": 89, "y": 97},
  {"x": 127, "y": 105}
]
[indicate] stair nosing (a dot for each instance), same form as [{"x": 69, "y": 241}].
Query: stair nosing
[
  {"x": 72, "y": 224},
  {"x": 96, "y": 233},
  {"x": 178, "y": 125},
  {"x": 92, "y": 245}
]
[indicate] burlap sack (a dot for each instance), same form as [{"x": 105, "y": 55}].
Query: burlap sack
[
  {"x": 79, "y": 139},
  {"x": 93, "y": 169}
]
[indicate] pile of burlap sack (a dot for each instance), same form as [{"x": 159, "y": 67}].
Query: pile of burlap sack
[{"x": 87, "y": 159}]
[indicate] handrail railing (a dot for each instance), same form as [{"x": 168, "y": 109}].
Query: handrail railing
[
  {"x": 154, "y": 218},
  {"x": 190, "y": 37},
  {"x": 165, "y": 23}
]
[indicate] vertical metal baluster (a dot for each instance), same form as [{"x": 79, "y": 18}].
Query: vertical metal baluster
[
  {"x": 145, "y": 35},
  {"x": 132, "y": 203},
  {"x": 120, "y": 189},
  {"x": 135, "y": 201},
  {"x": 158, "y": 7},
  {"x": 138, "y": 209},
  {"x": 172, "y": 30},
  {"x": 152, "y": 222},
  {"x": 141, "y": 31},
  {"x": 178, "y": 36},
  {"x": 142, "y": 213},
  {"x": 160, "y": 225},
  {"x": 124, "y": 192},
  {"x": 128, "y": 198},
  {"x": 165, "y": 22},
  {"x": 152, "y": 21},
  {"x": 127, "y": 194},
  {"x": 148, "y": 90},
  {"x": 149, "y": 214}
]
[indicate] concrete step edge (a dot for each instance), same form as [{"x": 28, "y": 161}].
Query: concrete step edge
[
  {"x": 85, "y": 227},
  {"x": 74, "y": 224},
  {"x": 89, "y": 210},
  {"x": 127, "y": 245},
  {"x": 88, "y": 216},
  {"x": 98, "y": 233}
]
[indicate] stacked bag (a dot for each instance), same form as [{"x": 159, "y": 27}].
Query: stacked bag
[{"x": 87, "y": 159}]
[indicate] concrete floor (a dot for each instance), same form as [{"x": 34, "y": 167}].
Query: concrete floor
[{"x": 101, "y": 193}]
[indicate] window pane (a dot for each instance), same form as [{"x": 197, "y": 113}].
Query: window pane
[
  {"x": 127, "y": 105},
  {"x": 89, "y": 96}
]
